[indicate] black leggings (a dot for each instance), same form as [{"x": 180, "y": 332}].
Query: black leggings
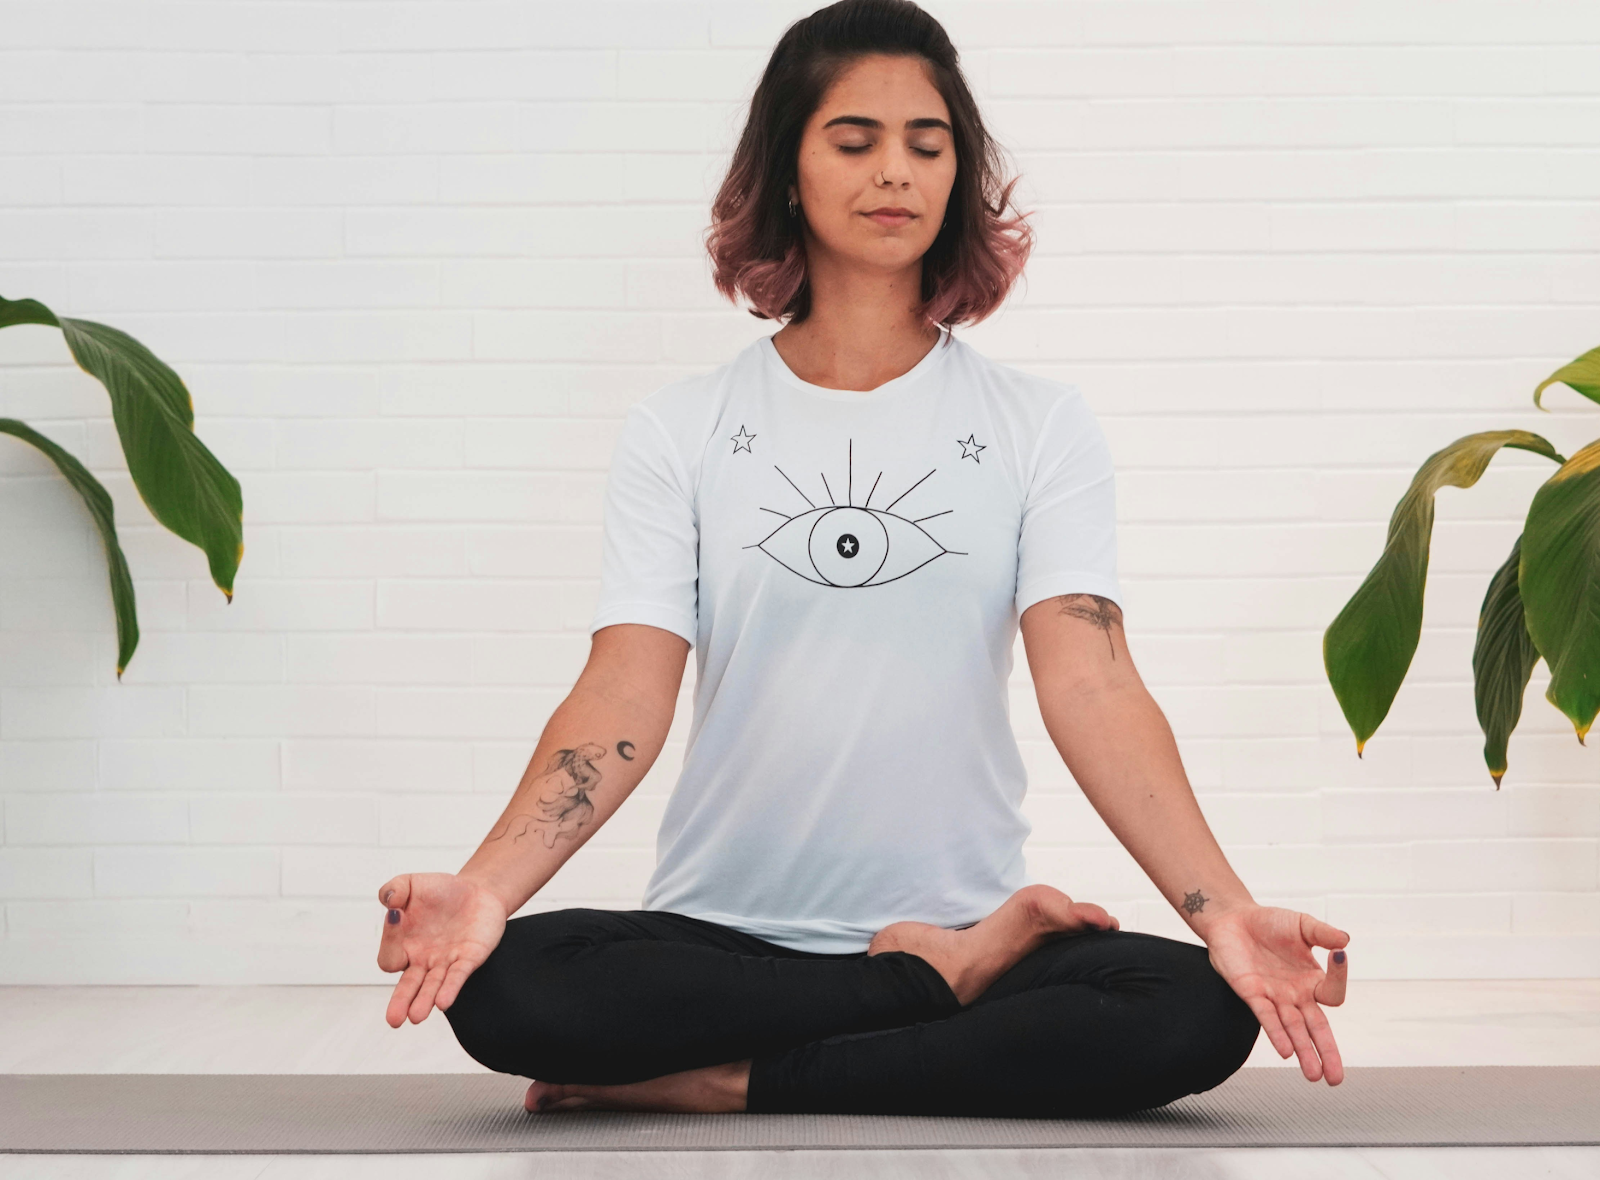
[{"x": 1092, "y": 1024}]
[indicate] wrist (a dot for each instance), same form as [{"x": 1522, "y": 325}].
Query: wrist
[
  {"x": 486, "y": 882},
  {"x": 1202, "y": 910}
]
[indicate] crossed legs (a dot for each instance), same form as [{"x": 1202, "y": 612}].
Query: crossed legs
[{"x": 592, "y": 1003}]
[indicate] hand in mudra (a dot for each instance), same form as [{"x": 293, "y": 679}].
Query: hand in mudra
[
  {"x": 1265, "y": 955},
  {"x": 445, "y": 928}
]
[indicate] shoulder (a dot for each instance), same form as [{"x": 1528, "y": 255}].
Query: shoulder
[
  {"x": 685, "y": 410},
  {"x": 1017, "y": 391},
  {"x": 1044, "y": 413}
]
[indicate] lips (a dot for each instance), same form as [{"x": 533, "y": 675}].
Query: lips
[{"x": 891, "y": 216}]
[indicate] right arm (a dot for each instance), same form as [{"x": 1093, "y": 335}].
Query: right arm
[{"x": 596, "y": 747}]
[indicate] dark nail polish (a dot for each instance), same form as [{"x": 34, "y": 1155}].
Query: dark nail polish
[
  {"x": 1338, "y": 956},
  {"x": 394, "y": 917}
]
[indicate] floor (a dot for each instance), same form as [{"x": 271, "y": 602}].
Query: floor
[{"x": 341, "y": 1030}]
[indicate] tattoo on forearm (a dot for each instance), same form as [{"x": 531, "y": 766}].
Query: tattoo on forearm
[
  {"x": 563, "y": 791},
  {"x": 1091, "y": 608},
  {"x": 1194, "y": 902}
]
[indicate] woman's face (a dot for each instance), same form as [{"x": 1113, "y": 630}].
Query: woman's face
[{"x": 876, "y": 164}]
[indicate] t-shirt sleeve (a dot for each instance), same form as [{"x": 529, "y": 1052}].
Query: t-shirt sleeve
[
  {"x": 650, "y": 555},
  {"x": 1068, "y": 542}
]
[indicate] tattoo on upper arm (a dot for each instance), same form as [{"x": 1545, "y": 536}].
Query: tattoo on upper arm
[
  {"x": 1194, "y": 902},
  {"x": 563, "y": 805},
  {"x": 1092, "y": 609}
]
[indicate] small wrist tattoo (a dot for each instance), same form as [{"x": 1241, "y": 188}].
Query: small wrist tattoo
[{"x": 1194, "y": 902}]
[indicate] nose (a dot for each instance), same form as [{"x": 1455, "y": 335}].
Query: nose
[{"x": 896, "y": 169}]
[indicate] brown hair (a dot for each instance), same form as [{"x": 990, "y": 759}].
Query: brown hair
[{"x": 757, "y": 248}]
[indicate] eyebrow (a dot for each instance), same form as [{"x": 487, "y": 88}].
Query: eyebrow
[{"x": 876, "y": 125}]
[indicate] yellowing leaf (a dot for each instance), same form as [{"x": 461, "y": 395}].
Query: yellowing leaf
[
  {"x": 1560, "y": 580},
  {"x": 1367, "y": 649},
  {"x": 1502, "y": 662},
  {"x": 1582, "y": 375}
]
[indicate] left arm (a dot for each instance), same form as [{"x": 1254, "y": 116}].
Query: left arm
[{"x": 1120, "y": 749}]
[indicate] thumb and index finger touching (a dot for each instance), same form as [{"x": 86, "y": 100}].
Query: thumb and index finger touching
[
  {"x": 394, "y": 894},
  {"x": 396, "y": 891},
  {"x": 1331, "y": 989}
]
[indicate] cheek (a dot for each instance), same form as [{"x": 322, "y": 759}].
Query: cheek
[
  {"x": 940, "y": 185},
  {"x": 826, "y": 175},
  {"x": 829, "y": 187}
]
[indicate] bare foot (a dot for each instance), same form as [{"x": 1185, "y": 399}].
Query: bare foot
[
  {"x": 973, "y": 958},
  {"x": 716, "y": 1089}
]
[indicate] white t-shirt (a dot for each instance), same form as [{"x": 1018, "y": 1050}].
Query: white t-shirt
[{"x": 850, "y": 568}]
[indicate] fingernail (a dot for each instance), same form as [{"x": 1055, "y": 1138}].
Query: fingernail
[
  {"x": 394, "y": 917},
  {"x": 387, "y": 894},
  {"x": 1338, "y": 956}
]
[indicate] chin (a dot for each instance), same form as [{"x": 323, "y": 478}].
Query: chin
[{"x": 887, "y": 252}]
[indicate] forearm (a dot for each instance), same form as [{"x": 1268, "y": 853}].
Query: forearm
[
  {"x": 1120, "y": 749},
  {"x": 595, "y": 748}
]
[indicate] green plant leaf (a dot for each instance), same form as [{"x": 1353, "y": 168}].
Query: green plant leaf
[
  {"x": 181, "y": 482},
  {"x": 1582, "y": 375},
  {"x": 1560, "y": 578},
  {"x": 1368, "y": 647},
  {"x": 1502, "y": 662},
  {"x": 98, "y": 501}
]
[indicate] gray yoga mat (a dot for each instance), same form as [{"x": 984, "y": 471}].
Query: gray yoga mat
[{"x": 361, "y": 1113}]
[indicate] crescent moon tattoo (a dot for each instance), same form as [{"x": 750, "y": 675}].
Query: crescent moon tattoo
[{"x": 625, "y": 749}]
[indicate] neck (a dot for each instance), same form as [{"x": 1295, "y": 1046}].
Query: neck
[{"x": 864, "y": 328}]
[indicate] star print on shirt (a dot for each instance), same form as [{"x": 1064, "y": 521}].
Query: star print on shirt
[
  {"x": 970, "y": 448},
  {"x": 741, "y": 441}
]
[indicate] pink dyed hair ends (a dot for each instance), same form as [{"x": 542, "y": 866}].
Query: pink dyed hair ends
[{"x": 758, "y": 250}]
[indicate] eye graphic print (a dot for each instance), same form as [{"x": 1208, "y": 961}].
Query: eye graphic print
[{"x": 849, "y": 545}]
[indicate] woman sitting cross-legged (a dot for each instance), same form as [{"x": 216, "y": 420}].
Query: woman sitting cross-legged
[{"x": 840, "y": 918}]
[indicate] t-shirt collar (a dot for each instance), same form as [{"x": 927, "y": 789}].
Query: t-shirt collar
[{"x": 928, "y": 364}]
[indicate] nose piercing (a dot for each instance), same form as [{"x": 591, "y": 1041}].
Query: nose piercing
[{"x": 881, "y": 179}]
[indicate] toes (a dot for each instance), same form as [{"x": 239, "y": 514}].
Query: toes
[
  {"x": 541, "y": 1096},
  {"x": 1089, "y": 914}
]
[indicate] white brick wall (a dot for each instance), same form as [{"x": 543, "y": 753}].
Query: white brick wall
[{"x": 415, "y": 259}]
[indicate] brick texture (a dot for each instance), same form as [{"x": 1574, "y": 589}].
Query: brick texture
[{"x": 414, "y": 268}]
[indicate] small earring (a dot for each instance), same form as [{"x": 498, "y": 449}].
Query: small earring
[{"x": 793, "y": 208}]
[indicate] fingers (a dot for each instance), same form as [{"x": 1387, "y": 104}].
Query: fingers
[
  {"x": 391, "y": 951},
  {"x": 396, "y": 891},
  {"x": 1267, "y": 1015},
  {"x": 1322, "y": 1037},
  {"x": 1331, "y": 990},
  {"x": 1295, "y": 1024},
  {"x": 404, "y": 992},
  {"x": 394, "y": 894},
  {"x": 453, "y": 979},
  {"x": 1316, "y": 932},
  {"x": 423, "y": 1003}
]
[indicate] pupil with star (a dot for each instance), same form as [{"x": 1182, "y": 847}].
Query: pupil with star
[{"x": 841, "y": 917}]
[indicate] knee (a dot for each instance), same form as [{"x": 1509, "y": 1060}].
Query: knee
[
  {"x": 484, "y": 1013},
  {"x": 516, "y": 1013},
  {"x": 1217, "y": 1029}
]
